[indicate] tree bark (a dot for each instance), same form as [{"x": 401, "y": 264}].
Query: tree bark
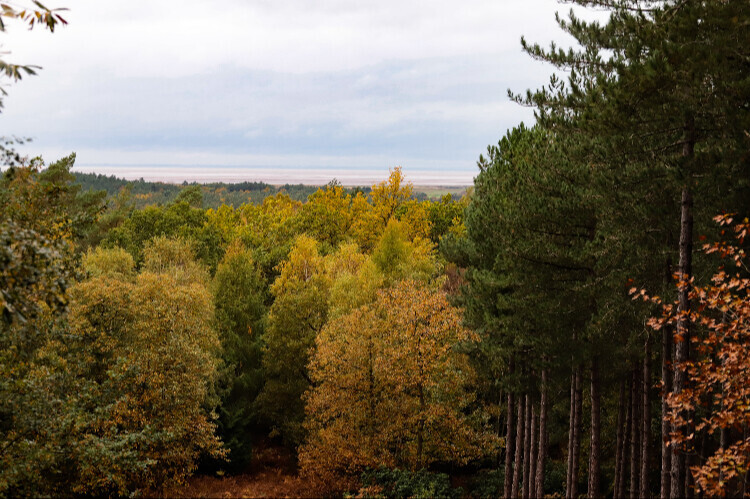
[
  {"x": 682, "y": 332},
  {"x": 689, "y": 476},
  {"x": 534, "y": 450},
  {"x": 574, "y": 434},
  {"x": 571, "y": 435},
  {"x": 620, "y": 447},
  {"x": 646, "y": 423},
  {"x": 666, "y": 376},
  {"x": 627, "y": 439},
  {"x": 635, "y": 437},
  {"x": 527, "y": 446},
  {"x": 595, "y": 448},
  {"x": 542, "y": 457},
  {"x": 499, "y": 424},
  {"x": 577, "y": 423},
  {"x": 509, "y": 445},
  {"x": 519, "y": 447}
]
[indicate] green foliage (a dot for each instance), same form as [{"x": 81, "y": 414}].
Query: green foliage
[
  {"x": 298, "y": 313},
  {"x": 179, "y": 219},
  {"x": 32, "y": 274},
  {"x": 487, "y": 483},
  {"x": 49, "y": 201},
  {"x": 191, "y": 195},
  {"x": 397, "y": 258},
  {"x": 327, "y": 216},
  {"x": 214, "y": 194},
  {"x": 239, "y": 295},
  {"x": 269, "y": 230},
  {"x": 554, "y": 477},
  {"x": 141, "y": 358},
  {"x": 446, "y": 216},
  {"x": 396, "y": 483}
]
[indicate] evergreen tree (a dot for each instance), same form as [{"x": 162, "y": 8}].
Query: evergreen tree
[{"x": 239, "y": 296}]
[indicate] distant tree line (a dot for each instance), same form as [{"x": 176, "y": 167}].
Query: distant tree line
[{"x": 214, "y": 194}]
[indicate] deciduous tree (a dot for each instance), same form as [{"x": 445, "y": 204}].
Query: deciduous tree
[{"x": 391, "y": 388}]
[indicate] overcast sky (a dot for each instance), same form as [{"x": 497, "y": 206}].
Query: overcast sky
[{"x": 279, "y": 83}]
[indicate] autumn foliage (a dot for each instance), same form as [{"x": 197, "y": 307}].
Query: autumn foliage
[
  {"x": 719, "y": 376},
  {"x": 391, "y": 388},
  {"x": 142, "y": 353}
]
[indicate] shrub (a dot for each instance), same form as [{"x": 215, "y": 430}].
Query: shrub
[{"x": 385, "y": 482}]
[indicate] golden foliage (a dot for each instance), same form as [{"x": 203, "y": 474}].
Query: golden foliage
[
  {"x": 390, "y": 389},
  {"x": 146, "y": 354},
  {"x": 114, "y": 262}
]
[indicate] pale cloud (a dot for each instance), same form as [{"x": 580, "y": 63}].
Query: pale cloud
[{"x": 310, "y": 81}]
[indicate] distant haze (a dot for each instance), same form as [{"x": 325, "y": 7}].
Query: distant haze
[
  {"x": 279, "y": 176},
  {"x": 330, "y": 84}
]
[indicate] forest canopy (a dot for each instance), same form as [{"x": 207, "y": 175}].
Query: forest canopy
[{"x": 577, "y": 323}]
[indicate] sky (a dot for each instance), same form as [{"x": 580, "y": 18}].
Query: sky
[{"x": 301, "y": 84}]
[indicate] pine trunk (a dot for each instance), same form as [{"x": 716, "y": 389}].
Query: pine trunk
[
  {"x": 571, "y": 435},
  {"x": 635, "y": 436},
  {"x": 577, "y": 432},
  {"x": 688, "y": 476},
  {"x": 542, "y": 457},
  {"x": 682, "y": 332},
  {"x": 519, "y": 447},
  {"x": 534, "y": 451},
  {"x": 626, "y": 441},
  {"x": 595, "y": 449},
  {"x": 527, "y": 448},
  {"x": 646, "y": 423},
  {"x": 619, "y": 449},
  {"x": 509, "y": 445},
  {"x": 666, "y": 377}
]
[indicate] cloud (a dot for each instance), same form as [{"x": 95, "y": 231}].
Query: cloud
[{"x": 417, "y": 79}]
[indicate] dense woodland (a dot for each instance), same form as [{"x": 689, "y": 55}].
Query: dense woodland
[
  {"x": 145, "y": 193},
  {"x": 577, "y": 324}
]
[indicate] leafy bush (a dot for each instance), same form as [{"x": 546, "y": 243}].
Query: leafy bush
[
  {"x": 385, "y": 482},
  {"x": 487, "y": 483},
  {"x": 555, "y": 476}
]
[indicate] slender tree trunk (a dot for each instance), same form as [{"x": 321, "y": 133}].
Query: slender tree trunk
[
  {"x": 646, "y": 441},
  {"x": 510, "y": 442},
  {"x": 627, "y": 439},
  {"x": 619, "y": 449},
  {"x": 527, "y": 446},
  {"x": 689, "y": 461},
  {"x": 577, "y": 423},
  {"x": 666, "y": 376},
  {"x": 499, "y": 424},
  {"x": 635, "y": 437},
  {"x": 534, "y": 451},
  {"x": 542, "y": 457},
  {"x": 571, "y": 436},
  {"x": 519, "y": 447},
  {"x": 595, "y": 449},
  {"x": 677, "y": 486},
  {"x": 682, "y": 333}
]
